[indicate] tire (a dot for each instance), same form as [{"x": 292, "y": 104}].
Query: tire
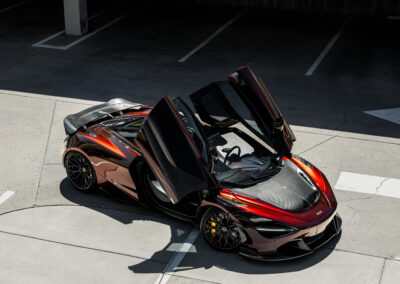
[
  {"x": 80, "y": 172},
  {"x": 220, "y": 230}
]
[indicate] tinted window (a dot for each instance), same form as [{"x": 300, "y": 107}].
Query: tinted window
[
  {"x": 214, "y": 107},
  {"x": 191, "y": 126},
  {"x": 238, "y": 105},
  {"x": 127, "y": 126}
]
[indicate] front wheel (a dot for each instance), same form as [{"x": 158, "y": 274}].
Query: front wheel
[
  {"x": 220, "y": 230},
  {"x": 80, "y": 172}
]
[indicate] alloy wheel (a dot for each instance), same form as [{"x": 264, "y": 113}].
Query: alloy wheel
[
  {"x": 220, "y": 230},
  {"x": 80, "y": 171}
]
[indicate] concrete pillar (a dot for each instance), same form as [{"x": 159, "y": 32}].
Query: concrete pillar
[{"x": 75, "y": 17}]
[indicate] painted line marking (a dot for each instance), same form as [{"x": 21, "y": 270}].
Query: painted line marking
[
  {"x": 95, "y": 15},
  {"x": 65, "y": 47},
  {"x": 13, "y": 6},
  {"x": 211, "y": 37},
  {"x": 178, "y": 257},
  {"x": 375, "y": 185},
  {"x": 41, "y": 43},
  {"x": 390, "y": 114},
  {"x": 324, "y": 52},
  {"x": 393, "y": 17},
  {"x": 6, "y": 195}
]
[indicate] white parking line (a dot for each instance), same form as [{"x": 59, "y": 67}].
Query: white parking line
[
  {"x": 41, "y": 43},
  {"x": 6, "y": 195},
  {"x": 211, "y": 37},
  {"x": 65, "y": 47},
  {"x": 324, "y": 52},
  {"x": 376, "y": 185},
  {"x": 393, "y": 17},
  {"x": 390, "y": 114},
  {"x": 13, "y": 6},
  {"x": 178, "y": 257}
]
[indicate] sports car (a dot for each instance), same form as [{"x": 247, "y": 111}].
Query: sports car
[{"x": 225, "y": 165}]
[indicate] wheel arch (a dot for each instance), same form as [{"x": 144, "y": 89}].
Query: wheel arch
[
  {"x": 206, "y": 205},
  {"x": 136, "y": 169},
  {"x": 70, "y": 149}
]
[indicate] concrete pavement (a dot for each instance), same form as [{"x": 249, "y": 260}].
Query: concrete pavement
[{"x": 50, "y": 231}]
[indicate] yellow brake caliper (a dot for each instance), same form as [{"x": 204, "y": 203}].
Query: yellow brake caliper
[{"x": 213, "y": 225}]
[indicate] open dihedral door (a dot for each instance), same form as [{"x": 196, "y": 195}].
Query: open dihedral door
[
  {"x": 175, "y": 148},
  {"x": 245, "y": 99}
]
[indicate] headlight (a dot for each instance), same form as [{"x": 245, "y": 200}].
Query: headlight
[{"x": 273, "y": 229}]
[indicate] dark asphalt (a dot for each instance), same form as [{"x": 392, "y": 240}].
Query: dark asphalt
[{"x": 137, "y": 58}]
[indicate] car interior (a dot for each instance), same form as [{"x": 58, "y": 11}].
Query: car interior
[{"x": 239, "y": 158}]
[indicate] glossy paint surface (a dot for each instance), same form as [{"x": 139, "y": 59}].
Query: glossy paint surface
[{"x": 171, "y": 152}]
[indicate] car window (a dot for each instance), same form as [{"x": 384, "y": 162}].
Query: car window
[
  {"x": 127, "y": 126},
  {"x": 239, "y": 106},
  {"x": 225, "y": 112},
  {"x": 192, "y": 127}
]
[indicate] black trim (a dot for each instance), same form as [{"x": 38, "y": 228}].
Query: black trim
[
  {"x": 114, "y": 107},
  {"x": 298, "y": 247}
]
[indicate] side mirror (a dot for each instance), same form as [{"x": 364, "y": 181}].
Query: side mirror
[{"x": 278, "y": 124}]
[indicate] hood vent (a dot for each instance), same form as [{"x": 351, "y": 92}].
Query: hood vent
[{"x": 306, "y": 178}]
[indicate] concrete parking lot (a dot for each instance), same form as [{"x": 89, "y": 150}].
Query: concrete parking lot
[{"x": 345, "y": 115}]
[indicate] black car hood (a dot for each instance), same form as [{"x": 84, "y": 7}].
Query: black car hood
[{"x": 290, "y": 189}]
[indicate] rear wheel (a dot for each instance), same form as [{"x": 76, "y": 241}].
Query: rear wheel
[
  {"x": 220, "y": 230},
  {"x": 80, "y": 172}
]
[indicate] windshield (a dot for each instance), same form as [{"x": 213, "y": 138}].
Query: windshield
[{"x": 240, "y": 160}]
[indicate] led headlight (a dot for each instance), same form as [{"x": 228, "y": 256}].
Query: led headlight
[{"x": 273, "y": 229}]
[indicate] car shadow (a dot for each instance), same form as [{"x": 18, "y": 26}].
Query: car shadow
[
  {"x": 203, "y": 256},
  {"x": 122, "y": 209}
]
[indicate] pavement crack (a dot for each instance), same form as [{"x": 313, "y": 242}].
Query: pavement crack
[
  {"x": 330, "y": 138},
  {"x": 148, "y": 213},
  {"x": 356, "y": 211},
  {"x": 31, "y": 55},
  {"x": 383, "y": 269},
  {"x": 78, "y": 246},
  {"x": 45, "y": 152},
  {"x": 360, "y": 253},
  {"x": 344, "y": 120},
  {"x": 268, "y": 39}
]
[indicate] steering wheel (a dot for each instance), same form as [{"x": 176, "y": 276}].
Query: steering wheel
[{"x": 229, "y": 151}]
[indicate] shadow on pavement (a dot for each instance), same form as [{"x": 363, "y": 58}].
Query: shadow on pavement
[
  {"x": 203, "y": 256},
  {"x": 115, "y": 205},
  {"x": 127, "y": 211}
]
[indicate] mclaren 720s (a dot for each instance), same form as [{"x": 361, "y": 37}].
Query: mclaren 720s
[{"x": 226, "y": 166}]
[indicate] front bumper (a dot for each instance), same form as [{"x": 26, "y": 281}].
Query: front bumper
[{"x": 297, "y": 247}]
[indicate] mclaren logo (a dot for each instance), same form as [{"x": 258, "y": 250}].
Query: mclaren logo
[{"x": 318, "y": 213}]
